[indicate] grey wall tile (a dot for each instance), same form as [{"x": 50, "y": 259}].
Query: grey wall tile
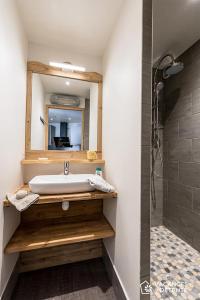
[
  {"x": 190, "y": 174},
  {"x": 165, "y": 195},
  {"x": 196, "y": 125},
  {"x": 146, "y": 121},
  {"x": 171, "y": 129},
  {"x": 146, "y": 138},
  {"x": 147, "y": 32},
  {"x": 165, "y": 149},
  {"x": 157, "y": 212},
  {"x": 182, "y": 185},
  {"x": 156, "y": 217},
  {"x": 147, "y": 80},
  {"x": 180, "y": 149},
  {"x": 196, "y": 101},
  {"x": 196, "y": 200},
  {"x": 145, "y": 250},
  {"x": 146, "y": 156},
  {"x": 145, "y": 199},
  {"x": 171, "y": 170},
  {"x": 145, "y": 183},
  {"x": 185, "y": 127},
  {"x": 180, "y": 195},
  {"x": 190, "y": 127},
  {"x": 159, "y": 193},
  {"x": 183, "y": 107},
  {"x": 196, "y": 150},
  {"x": 182, "y": 222}
]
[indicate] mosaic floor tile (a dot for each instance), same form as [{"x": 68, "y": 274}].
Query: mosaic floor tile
[{"x": 175, "y": 267}]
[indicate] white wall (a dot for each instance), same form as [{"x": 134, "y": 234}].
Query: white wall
[
  {"x": 93, "y": 116},
  {"x": 38, "y": 110},
  {"x": 122, "y": 142},
  {"x": 45, "y": 54},
  {"x": 75, "y": 133},
  {"x": 13, "y": 50},
  {"x": 57, "y": 131}
]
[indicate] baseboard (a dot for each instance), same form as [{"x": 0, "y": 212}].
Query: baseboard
[
  {"x": 11, "y": 283},
  {"x": 119, "y": 292}
]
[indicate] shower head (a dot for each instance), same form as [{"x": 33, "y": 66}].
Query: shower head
[
  {"x": 168, "y": 65},
  {"x": 173, "y": 69}
]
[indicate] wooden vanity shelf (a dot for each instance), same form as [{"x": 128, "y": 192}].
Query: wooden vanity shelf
[
  {"x": 45, "y": 235},
  {"x": 49, "y": 236},
  {"x": 44, "y": 199}
]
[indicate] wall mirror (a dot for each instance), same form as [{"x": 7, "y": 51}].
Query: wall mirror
[{"x": 63, "y": 110}]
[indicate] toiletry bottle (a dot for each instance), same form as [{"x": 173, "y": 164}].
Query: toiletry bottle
[{"x": 99, "y": 172}]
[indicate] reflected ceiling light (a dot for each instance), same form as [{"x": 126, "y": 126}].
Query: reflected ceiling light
[
  {"x": 51, "y": 119},
  {"x": 67, "y": 66},
  {"x": 67, "y": 83}
]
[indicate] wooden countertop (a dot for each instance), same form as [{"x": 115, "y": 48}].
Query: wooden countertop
[{"x": 44, "y": 199}]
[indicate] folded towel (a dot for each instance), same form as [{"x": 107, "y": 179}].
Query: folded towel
[
  {"x": 100, "y": 184},
  {"x": 24, "y": 201}
]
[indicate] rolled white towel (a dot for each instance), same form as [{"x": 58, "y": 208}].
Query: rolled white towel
[
  {"x": 22, "y": 199},
  {"x": 100, "y": 184}
]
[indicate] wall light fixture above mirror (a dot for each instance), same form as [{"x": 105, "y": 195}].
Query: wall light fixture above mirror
[{"x": 67, "y": 66}]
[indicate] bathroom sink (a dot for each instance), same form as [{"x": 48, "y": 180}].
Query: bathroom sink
[{"x": 60, "y": 184}]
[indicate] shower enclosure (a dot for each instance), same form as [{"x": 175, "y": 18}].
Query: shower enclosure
[
  {"x": 165, "y": 68},
  {"x": 175, "y": 177}
]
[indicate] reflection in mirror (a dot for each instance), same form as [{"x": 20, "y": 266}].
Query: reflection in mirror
[
  {"x": 66, "y": 130},
  {"x": 64, "y": 114}
]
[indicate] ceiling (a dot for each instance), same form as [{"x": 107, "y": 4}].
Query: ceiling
[
  {"x": 57, "y": 85},
  {"x": 81, "y": 25},
  {"x": 176, "y": 26},
  {"x": 63, "y": 115}
]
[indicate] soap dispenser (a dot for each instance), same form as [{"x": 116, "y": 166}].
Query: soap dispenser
[{"x": 99, "y": 172}]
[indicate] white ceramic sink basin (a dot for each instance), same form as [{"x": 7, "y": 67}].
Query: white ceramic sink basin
[{"x": 60, "y": 184}]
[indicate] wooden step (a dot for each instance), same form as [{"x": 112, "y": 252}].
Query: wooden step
[
  {"x": 45, "y": 199},
  {"x": 33, "y": 236}
]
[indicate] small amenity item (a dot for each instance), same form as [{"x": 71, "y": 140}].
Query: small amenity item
[
  {"x": 91, "y": 155},
  {"x": 99, "y": 172},
  {"x": 21, "y": 194},
  {"x": 43, "y": 158},
  {"x": 22, "y": 199}
]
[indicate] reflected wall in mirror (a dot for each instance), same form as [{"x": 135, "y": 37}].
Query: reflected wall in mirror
[
  {"x": 64, "y": 114},
  {"x": 66, "y": 129}
]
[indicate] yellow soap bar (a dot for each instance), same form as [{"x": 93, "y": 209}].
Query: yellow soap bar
[{"x": 91, "y": 155}]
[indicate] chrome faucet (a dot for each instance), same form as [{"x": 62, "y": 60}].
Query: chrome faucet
[{"x": 66, "y": 167}]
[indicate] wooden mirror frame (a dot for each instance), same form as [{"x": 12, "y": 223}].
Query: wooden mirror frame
[{"x": 40, "y": 68}]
